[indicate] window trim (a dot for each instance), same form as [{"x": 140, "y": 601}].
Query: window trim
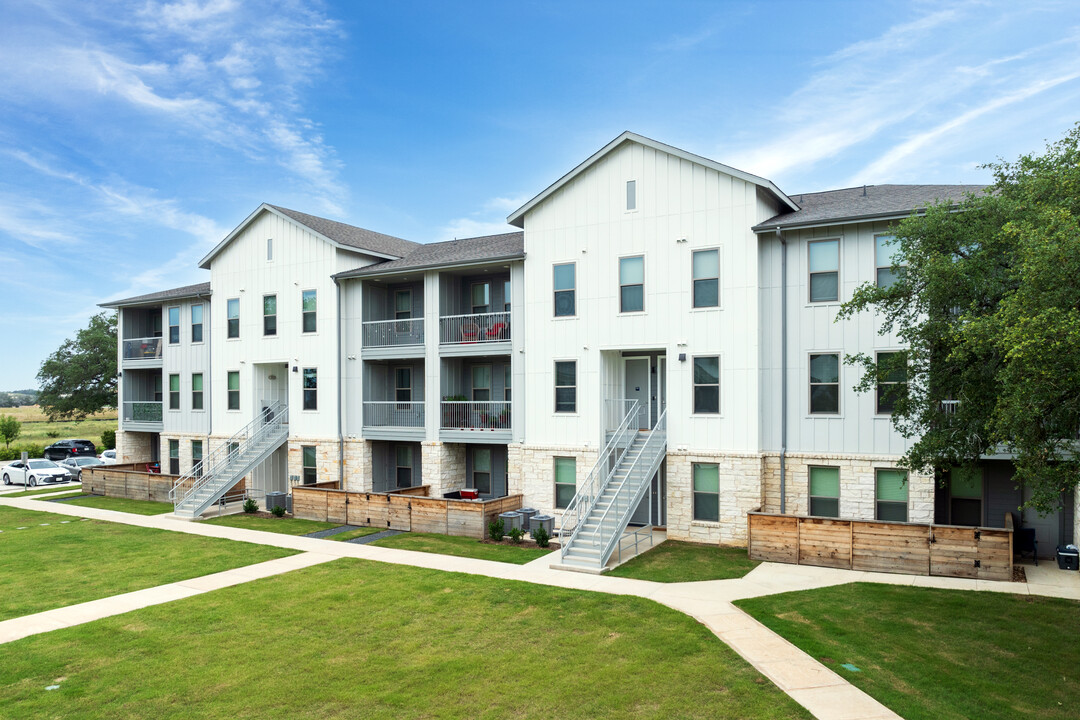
[
  {"x": 229, "y": 391},
  {"x": 304, "y": 467},
  {"x": 694, "y": 492},
  {"x": 809, "y": 274},
  {"x": 490, "y": 472},
  {"x": 304, "y": 313},
  {"x": 202, "y": 316},
  {"x": 200, "y": 393},
  {"x": 304, "y": 389},
  {"x": 631, "y": 185},
  {"x": 878, "y": 268},
  {"x": 694, "y": 385},
  {"x": 202, "y": 456},
  {"x": 177, "y": 392},
  {"x": 270, "y": 249},
  {"x": 810, "y": 497},
  {"x": 907, "y": 490},
  {"x": 398, "y": 467},
  {"x": 621, "y": 286},
  {"x": 694, "y": 280},
  {"x": 398, "y": 293},
  {"x": 555, "y": 480},
  {"x": 399, "y": 388},
  {"x": 174, "y": 443},
  {"x": 555, "y": 380},
  {"x": 228, "y": 320},
  {"x": 508, "y": 376},
  {"x": 472, "y": 306},
  {"x": 810, "y": 385},
  {"x": 265, "y": 316},
  {"x": 170, "y": 326},
  {"x": 472, "y": 382},
  {"x": 877, "y": 387},
  {"x": 555, "y": 292}
]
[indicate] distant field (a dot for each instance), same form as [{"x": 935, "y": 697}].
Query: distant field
[{"x": 36, "y": 427}]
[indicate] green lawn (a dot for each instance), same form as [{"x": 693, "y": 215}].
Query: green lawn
[
  {"x": 462, "y": 547},
  {"x": 351, "y": 534},
  {"x": 936, "y": 654},
  {"x": 69, "y": 560},
  {"x": 138, "y": 507},
  {"x": 357, "y": 639},
  {"x": 283, "y": 525},
  {"x": 59, "y": 489},
  {"x": 673, "y": 561}
]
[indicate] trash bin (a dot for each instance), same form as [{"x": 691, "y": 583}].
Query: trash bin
[
  {"x": 276, "y": 498},
  {"x": 526, "y": 514},
  {"x": 510, "y": 520},
  {"x": 1068, "y": 557},
  {"x": 545, "y": 521}
]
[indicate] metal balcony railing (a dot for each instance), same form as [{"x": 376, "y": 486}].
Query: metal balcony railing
[
  {"x": 393, "y": 333},
  {"x": 143, "y": 348},
  {"x": 475, "y": 415},
  {"x": 142, "y": 411},
  {"x": 474, "y": 328},
  {"x": 394, "y": 414}
]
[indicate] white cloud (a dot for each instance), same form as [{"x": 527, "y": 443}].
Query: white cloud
[{"x": 490, "y": 219}]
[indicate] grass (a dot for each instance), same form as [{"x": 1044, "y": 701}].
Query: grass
[
  {"x": 69, "y": 561},
  {"x": 357, "y": 639},
  {"x": 939, "y": 654},
  {"x": 137, "y": 507},
  {"x": 37, "y": 429},
  {"x": 461, "y": 547},
  {"x": 58, "y": 489},
  {"x": 283, "y": 525},
  {"x": 673, "y": 561},
  {"x": 352, "y": 534}
]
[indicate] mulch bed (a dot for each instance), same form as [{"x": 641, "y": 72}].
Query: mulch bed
[
  {"x": 523, "y": 544},
  {"x": 1018, "y": 574}
]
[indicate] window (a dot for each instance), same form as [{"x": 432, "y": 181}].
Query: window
[
  {"x": 566, "y": 386},
  {"x": 233, "y": 390},
  {"x": 707, "y": 492},
  {"x": 269, "y": 314},
  {"x": 232, "y": 448},
  {"x": 632, "y": 284},
  {"x": 196, "y": 323},
  {"x": 825, "y": 384},
  {"x": 157, "y": 388},
  {"x": 707, "y": 385},
  {"x": 891, "y": 493},
  {"x": 308, "y": 472},
  {"x": 311, "y": 389},
  {"x": 824, "y": 270},
  {"x": 232, "y": 315},
  {"x": 481, "y": 297},
  {"x": 174, "y": 325},
  {"x": 706, "y": 276},
  {"x": 155, "y": 325},
  {"x": 196, "y": 391},
  {"x": 174, "y": 392},
  {"x": 174, "y": 457},
  {"x": 825, "y": 491},
  {"x": 506, "y": 296},
  {"x": 269, "y": 249},
  {"x": 481, "y": 476},
  {"x": 196, "y": 458},
  {"x": 506, "y": 382},
  {"x": 965, "y": 496},
  {"x": 885, "y": 255},
  {"x": 403, "y": 458},
  {"x": 565, "y": 481},
  {"x": 403, "y": 384},
  {"x": 564, "y": 290},
  {"x": 403, "y": 305},
  {"x": 307, "y": 304},
  {"x": 892, "y": 381},
  {"x": 481, "y": 383},
  {"x": 631, "y": 194}
]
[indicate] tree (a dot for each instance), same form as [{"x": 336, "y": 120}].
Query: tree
[
  {"x": 10, "y": 428},
  {"x": 79, "y": 379},
  {"x": 987, "y": 301}
]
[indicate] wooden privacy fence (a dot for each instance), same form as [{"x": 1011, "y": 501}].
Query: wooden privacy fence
[
  {"x": 909, "y": 548},
  {"x": 129, "y": 480},
  {"x": 408, "y": 509}
]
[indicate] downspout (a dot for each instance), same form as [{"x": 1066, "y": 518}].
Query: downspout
[
  {"x": 783, "y": 369},
  {"x": 210, "y": 375},
  {"x": 341, "y": 386}
]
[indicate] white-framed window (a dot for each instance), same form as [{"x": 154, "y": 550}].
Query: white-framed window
[
  {"x": 507, "y": 373},
  {"x": 565, "y": 481},
  {"x": 825, "y": 384},
  {"x": 481, "y": 475},
  {"x": 565, "y": 283},
  {"x": 885, "y": 251},
  {"x": 308, "y": 304},
  {"x": 233, "y": 390},
  {"x": 269, "y": 315},
  {"x": 196, "y": 323},
  {"x": 403, "y": 474},
  {"x": 506, "y": 296},
  {"x": 824, "y": 263},
  {"x": 174, "y": 392},
  {"x": 566, "y": 386},
  {"x": 707, "y": 385},
  {"x": 403, "y": 384},
  {"x": 824, "y": 491},
  {"x": 157, "y": 388},
  {"x": 706, "y": 492},
  {"x": 196, "y": 457},
  {"x": 311, "y": 388},
  {"x": 480, "y": 293},
  {"x": 174, "y": 455},
  {"x": 403, "y": 304},
  {"x": 481, "y": 383},
  {"x": 232, "y": 317},
  {"x": 890, "y": 495},
  {"x": 196, "y": 391},
  {"x": 309, "y": 471},
  {"x": 174, "y": 325},
  {"x": 631, "y": 194},
  {"x": 632, "y": 284},
  {"x": 269, "y": 249},
  {"x": 891, "y": 376},
  {"x": 706, "y": 278}
]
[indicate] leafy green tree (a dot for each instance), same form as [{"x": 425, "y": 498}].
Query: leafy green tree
[
  {"x": 10, "y": 429},
  {"x": 79, "y": 379},
  {"x": 987, "y": 301}
]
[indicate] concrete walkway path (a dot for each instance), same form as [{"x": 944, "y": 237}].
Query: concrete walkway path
[{"x": 814, "y": 686}]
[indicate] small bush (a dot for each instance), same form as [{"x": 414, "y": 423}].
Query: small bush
[
  {"x": 250, "y": 505},
  {"x": 52, "y": 433},
  {"x": 278, "y": 511},
  {"x": 108, "y": 440},
  {"x": 516, "y": 534},
  {"x": 541, "y": 537},
  {"x": 15, "y": 452},
  {"x": 496, "y": 530}
]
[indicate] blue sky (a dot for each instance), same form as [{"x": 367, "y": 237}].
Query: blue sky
[{"x": 135, "y": 135}]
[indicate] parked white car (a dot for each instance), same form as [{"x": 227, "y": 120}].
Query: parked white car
[
  {"x": 75, "y": 465},
  {"x": 34, "y": 472},
  {"x": 108, "y": 457}
]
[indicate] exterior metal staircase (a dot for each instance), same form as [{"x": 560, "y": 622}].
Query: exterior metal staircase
[
  {"x": 598, "y": 515},
  {"x": 219, "y": 471}
]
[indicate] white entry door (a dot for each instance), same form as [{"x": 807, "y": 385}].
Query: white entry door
[{"x": 637, "y": 387}]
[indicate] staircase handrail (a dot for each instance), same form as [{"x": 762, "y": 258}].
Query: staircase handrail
[
  {"x": 269, "y": 421},
  {"x": 607, "y": 547},
  {"x": 587, "y": 495}
]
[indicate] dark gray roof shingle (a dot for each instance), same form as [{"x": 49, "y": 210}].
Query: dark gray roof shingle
[
  {"x": 350, "y": 235},
  {"x": 865, "y": 202},
  {"x": 451, "y": 252},
  {"x": 174, "y": 294}
]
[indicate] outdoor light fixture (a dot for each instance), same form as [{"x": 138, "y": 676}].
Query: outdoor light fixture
[{"x": 682, "y": 357}]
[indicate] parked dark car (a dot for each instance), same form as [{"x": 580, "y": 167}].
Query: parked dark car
[{"x": 64, "y": 449}]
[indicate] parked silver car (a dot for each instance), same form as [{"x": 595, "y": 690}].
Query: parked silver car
[
  {"x": 75, "y": 465},
  {"x": 34, "y": 472}
]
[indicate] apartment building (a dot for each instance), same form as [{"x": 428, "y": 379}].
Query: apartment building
[{"x": 658, "y": 316}]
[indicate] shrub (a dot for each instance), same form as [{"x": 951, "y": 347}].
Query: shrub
[
  {"x": 496, "y": 530},
  {"x": 108, "y": 440},
  {"x": 541, "y": 537},
  {"x": 250, "y": 505},
  {"x": 10, "y": 428},
  {"x": 516, "y": 534},
  {"x": 15, "y": 452},
  {"x": 52, "y": 433},
  {"x": 278, "y": 511}
]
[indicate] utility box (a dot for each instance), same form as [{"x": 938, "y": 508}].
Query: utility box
[
  {"x": 1068, "y": 557},
  {"x": 279, "y": 499},
  {"x": 510, "y": 520},
  {"x": 542, "y": 521},
  {"x": 526, "y": 515}
]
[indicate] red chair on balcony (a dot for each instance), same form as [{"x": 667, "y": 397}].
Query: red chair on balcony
[
  {"x": 496, "y": 331},
  {"x": 470, "y": 332}
]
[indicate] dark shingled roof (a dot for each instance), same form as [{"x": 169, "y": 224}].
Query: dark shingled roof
[
  {"x": 174, "y": 294},
  {"x": 865, "y": 203},
  {"x": 352, "y": 236},
  {"x": 453, "y": 252}
]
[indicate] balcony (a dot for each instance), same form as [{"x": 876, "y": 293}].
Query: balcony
[
  {"x": 393, "y": 338},
  {"x": 475, "y": 421},
  {"x": 476, "y": 332},
  {"x": 389, "y": 420},
  {"x": 142, "y": 352},
  {"x": 142, "y": 415}
]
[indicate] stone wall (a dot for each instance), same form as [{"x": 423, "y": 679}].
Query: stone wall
[
  {"x": 857, "y": 485},
  {"x": 443, "y": 466},
  {"x": 531, "y": 472},
  {"x": 327, "y": 461},
  {"x": 185, "y": 449},
  {"x": 132, "y": 447},
  {"x": 740, "y": 493},
  {"x": 358, "y": 470}
]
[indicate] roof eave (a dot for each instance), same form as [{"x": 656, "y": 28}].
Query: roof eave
[
  {"x": 359, "y": 272},
  {"x": 117, "y": 304}
]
